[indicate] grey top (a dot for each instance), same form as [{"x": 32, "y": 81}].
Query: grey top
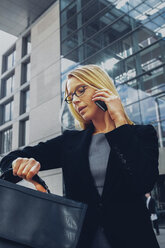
[{"x": 98, "y": 159}]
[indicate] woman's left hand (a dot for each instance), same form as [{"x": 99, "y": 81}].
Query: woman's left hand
[{"x": 113, "y": 103}]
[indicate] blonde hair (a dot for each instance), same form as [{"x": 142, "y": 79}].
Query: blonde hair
[{"x": 97, "y": 78}]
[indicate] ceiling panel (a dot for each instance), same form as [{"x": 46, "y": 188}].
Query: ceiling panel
[{"x": 17, "y": 15}]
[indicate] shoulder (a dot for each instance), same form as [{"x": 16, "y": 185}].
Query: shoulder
[
  {"x": 146, "y": 132},
  {"x": 72, "y": 132},
  {"x": 74, "y": 138},
  {"x": 145, "y": 129}
]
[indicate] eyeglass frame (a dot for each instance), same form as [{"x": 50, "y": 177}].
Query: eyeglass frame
[{"x": 74, "y": 93}]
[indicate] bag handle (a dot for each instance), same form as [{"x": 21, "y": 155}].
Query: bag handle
[{"x": 8, "y": 176}]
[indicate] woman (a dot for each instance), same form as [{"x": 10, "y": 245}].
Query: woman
[{"x": 110, "y": 164}]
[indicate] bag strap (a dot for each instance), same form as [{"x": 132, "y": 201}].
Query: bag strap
[{"x": 8, "y": 176}]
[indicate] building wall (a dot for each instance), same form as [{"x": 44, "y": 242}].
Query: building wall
[
  {"x": 44, "y": 86},
  {"x": 45, "y": 77},
  {"x": 45, "y": 97}
]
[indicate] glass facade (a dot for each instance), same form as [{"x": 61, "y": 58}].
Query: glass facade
[{"x": 127, "y": 39}]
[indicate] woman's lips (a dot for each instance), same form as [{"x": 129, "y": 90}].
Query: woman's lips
[{"x": 81, "y": 109}]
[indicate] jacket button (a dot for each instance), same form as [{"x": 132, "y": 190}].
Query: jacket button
[{"x": 100, "y": 204}]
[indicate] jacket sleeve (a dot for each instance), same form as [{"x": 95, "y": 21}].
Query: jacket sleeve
[
  {"x": 47, "y": 153},
  {"x": 152, "y": 206},
  {"x": 137, "y": 149}
]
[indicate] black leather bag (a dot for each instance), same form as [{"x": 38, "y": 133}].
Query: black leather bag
[{"x": 29, "y": 218}]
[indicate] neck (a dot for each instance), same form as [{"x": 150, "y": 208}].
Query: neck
[{"x": 103, "y": 123}]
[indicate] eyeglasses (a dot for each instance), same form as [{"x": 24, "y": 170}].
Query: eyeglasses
[{"x": 78, "y": 92}]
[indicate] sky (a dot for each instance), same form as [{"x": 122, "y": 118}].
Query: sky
[{"x": 6, "y": 41}]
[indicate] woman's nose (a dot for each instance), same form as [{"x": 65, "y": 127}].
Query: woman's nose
[{"x": 75, "y": 99}]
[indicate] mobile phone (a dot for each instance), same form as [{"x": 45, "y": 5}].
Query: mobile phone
[{"x": 101, "y": 105}]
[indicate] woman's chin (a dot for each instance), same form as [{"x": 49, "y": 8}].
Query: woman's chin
[{"x": 86, "y": 117}]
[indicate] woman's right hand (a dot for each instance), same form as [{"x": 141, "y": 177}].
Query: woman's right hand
[{"x": 26, "y": 168}]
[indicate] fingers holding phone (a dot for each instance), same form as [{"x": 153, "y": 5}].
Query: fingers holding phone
[{"x": 111, "y": 101}]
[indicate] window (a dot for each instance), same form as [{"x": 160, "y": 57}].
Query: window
[
  {"x": 24, "y": 132},
  {"x": 8, "y": 112},
  {"x": 9, "y": 60},
  {"x": 25, "y": 101},
  {"x": 6, "y": 141},
  {"x": 26, "y": 45},
  {"x": 25, "y": 72},
  {"x": 8, "y": 86}
]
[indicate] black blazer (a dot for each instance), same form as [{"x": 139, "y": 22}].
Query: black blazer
[{"x": 131, "y": 172}]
